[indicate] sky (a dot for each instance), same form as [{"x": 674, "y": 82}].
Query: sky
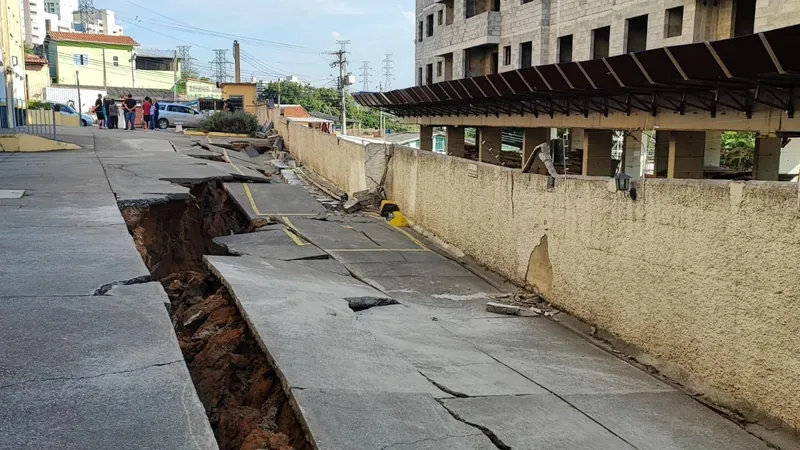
[{"x": 279, "y": 38}]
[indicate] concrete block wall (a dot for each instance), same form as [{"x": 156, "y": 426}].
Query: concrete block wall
[{"x": 772, "y": 14}]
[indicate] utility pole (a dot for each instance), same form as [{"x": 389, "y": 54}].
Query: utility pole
[
  {"x": 220, "y": 65},
  {"x": 174, "y": 76},
  {"x": 78, "y": 83},
  {"x": 344, "y": 80},
  {"x": 382, "y": 121},
  {"x": 105, "y": 78},
  {"x": 388, "y": 72},
  {"x": 237, "y": 66},
  {"x": 365, "y": 75},
  {"x": 280, "y": 82},
  {"x": 86, "y": 8}
]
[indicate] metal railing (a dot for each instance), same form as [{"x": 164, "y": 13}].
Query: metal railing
[{"x": 39, "y": 122}]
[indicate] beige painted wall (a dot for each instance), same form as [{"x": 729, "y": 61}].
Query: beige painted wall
[{"x": 700, "y": 275}]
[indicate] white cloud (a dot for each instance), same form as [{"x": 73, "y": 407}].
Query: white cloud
[{"x": 336, "y": 35}]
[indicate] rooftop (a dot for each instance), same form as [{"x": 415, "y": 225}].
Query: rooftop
[
  {"x": 89, "y": 38},
  {"x": 35, "y": 59}
]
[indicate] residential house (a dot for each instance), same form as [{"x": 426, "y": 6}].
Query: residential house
[
  {"x": 243, "y": 96},
  {"x": 37, "y": 76},
  {"x": 194, "y": 89},
  {"x": 155, "y": 68},
  {"x": 96, "y": 59}
]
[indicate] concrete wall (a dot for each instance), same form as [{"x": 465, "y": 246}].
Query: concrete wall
[{"x": 700, "y": 275}]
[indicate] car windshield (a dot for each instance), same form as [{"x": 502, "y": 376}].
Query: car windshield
[{"x": 67, "y": 109}]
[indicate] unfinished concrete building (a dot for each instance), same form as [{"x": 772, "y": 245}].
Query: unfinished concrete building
[{"x": 461, "y": 39}]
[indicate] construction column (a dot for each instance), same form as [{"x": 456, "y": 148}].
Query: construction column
[
  {"x": 455, "y": 141},
  {"x": 426, "y": 137},
  {"x": 632, "y": 154},
  {"x": 767, "y": 158},
  {"x": 490, "y": 142},
  {"x": 687, "y": 151},
  {"x": 597, "y": 146}
]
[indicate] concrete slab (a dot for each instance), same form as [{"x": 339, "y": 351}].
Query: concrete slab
[
  {"x": 553, "y": 357},
  {"x": 374, "y": 236},
  {"x": 442, "y": 357},
  {"x": 536, "y": 422},
  {"x": 665, "y": 421},
  {"x": 7, "y": 193},
  {"x": 77, "y": 171},
  {"x": 48, "y": 209},
  {"x": 52, "y": 261},
  {"x": 342, "y": 419},
  {"x": 154, "y": 407},
  {"x": 275, "y": 199},
  {"x": 312, "y": 334},
  {"x": 274, "y": 242}
]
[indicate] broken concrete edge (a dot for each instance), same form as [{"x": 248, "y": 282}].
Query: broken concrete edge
[
  {"x": 774, "y": 433},
  {"x": 28, "y": 143},
  {"x": 214, "y": 134},
  {"x": 514, "y": 310},
  {"x": 321, "y": 183},
  {"x": 288, "y": 389}
]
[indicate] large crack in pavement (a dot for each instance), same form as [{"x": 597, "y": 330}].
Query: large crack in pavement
[{"x": 103, "y": 290}]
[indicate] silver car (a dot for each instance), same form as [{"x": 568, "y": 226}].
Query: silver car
[{"x": 170, "y": 114}]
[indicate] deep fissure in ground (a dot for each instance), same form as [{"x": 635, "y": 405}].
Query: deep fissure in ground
[{"x": 243, "y": 396}]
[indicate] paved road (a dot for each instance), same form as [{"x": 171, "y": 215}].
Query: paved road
[
  {"x": 382, "y": 342},
  {"x": 80, "y": 370}
]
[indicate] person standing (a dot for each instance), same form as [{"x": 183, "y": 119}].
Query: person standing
[
  {"x": 113, "y": 114},
  {"x": 227, "y": 106},
  {"x": 146, "y": 113},
  {"x": 98, "y": 110},
  {"x": 130, "y": 112},
  {"x": 155, "y": 114}
]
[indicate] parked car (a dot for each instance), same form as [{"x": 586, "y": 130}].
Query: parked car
[
  {"x": 170, "y": 114},
  {"x": 67, "y": 110}
]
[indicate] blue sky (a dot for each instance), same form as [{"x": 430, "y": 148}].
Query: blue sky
[{"x": 279, "y": 37}]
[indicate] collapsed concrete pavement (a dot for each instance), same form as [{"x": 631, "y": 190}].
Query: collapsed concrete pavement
[{"x": 300, "y": 328}]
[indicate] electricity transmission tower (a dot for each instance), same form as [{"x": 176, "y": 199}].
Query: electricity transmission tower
[
  {"x": 220, "y": 65},
  {"x": 344, "y": 79},
  {"x": 388, "y": 72},
  {"x": 187, "y": 62},
  {"x": 86, "y": 9},
  {"x": 365, "y": 71}
]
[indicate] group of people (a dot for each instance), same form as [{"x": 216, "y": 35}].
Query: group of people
[{"x": 107, "y": 112}]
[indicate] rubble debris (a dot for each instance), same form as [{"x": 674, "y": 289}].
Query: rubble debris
[
  {"x": 501, "y": 308},
  {"x": 351, "y": 205}
]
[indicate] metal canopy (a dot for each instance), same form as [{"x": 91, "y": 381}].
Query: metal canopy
[{"x": 732, "y": 73}]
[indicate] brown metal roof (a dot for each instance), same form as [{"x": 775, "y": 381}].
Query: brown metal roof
[
  {"x": 90, "y": 38},
  {"x": 734, "y": 73}
]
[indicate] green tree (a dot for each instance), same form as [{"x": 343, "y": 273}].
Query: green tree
[{"x": 738, "y": 149}]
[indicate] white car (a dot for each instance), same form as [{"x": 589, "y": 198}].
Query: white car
[
  {"x": 67, "y": 110},
  {"x": 170, "y": 114}
]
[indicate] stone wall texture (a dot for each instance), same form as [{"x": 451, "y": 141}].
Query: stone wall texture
[{"x": 702, "y": 276}]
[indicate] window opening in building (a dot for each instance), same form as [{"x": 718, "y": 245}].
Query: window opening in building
[
  {"x": 565, "y": 49},
  {"x": 507, "y": 55},
  {"x": 419, "y": 76},
  {"x": 495, "y": 5},
  {"x": 440, "y": 17},
  {"x": 526, "y": 1},
  {"x": 429, "y": 74},
  {"x": 448, "y": 67},
  {"x": 80, "y": 60},
  {"x": 744, "y": 17},
  {"x": 601, "y": 38},
  {"x": 419, "y": 31},
  {"x": 438, "y": 69},
  {"x": 673, "y": 22},
  {"x": 637, "y": 34},
  {"x": 449, "y": 12},
  {"x": 430, "y": 25},
  {"x": 115, "y": 61},
  {"x": 495, "y": 63},
  {"x": 525, "y": 54}
]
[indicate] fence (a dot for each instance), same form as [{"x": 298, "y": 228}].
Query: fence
[{"x": 39, "y": 122}]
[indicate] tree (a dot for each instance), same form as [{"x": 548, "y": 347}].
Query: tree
[{"x": 738, "y": 150}]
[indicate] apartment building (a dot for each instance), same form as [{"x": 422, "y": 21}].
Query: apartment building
[
  {"x": 32, "y": 17},
  {"x": 103, "y": 21},
  {"x": 463, "y": 38},
  {"x": 62, "y": 8}
]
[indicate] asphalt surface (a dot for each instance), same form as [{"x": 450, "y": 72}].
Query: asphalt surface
[{"x": 382, "y": 342}]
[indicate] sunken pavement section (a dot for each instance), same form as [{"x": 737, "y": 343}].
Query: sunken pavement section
[{"x": 296, "y": 327}]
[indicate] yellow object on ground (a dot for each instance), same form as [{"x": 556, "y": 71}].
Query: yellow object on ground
[
  {"x": 398, "y": 220},
  {"x": 15, "y": 143}
]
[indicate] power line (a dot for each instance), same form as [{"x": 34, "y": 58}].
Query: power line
[
  {"x": 86, "y": 9},
  {"x": 187, "y": 64},
  {"x": 365, "y": 70},
  {"x": 388, "y": 72}
]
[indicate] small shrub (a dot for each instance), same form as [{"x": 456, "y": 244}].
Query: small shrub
[
  {"x": 225, "y": 122},
  {"x": 38, "y": 104}
]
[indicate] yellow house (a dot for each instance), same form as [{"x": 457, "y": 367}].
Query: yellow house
[
  {"x": 155, "y": 68},
  {"x": 12, "y": 46},
  {"x": 243, "y": 96},
  {"x": 91, "y": 59},
  {"x": 37, "y": 76}
]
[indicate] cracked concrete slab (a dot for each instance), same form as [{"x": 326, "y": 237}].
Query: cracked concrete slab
[
  {"x": 445, "y": 359},
  {"x": 274, "y": 242},
  {"x": 155, "y": 407},
  {"x": 344, "y": 419},
  {"x": 274, "y": 199},
  {"x": 47, "y": 261},
  {"x": 53, "y": 172},
  {"x": 536, "y": 421},
  {"x": 553, "y": 356},
  {"x": 374, "y": 236},
  {"x": 665, "y": 421},
  {"x": 49, "y": 209},
  {"x": 302, "y": 318}
]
